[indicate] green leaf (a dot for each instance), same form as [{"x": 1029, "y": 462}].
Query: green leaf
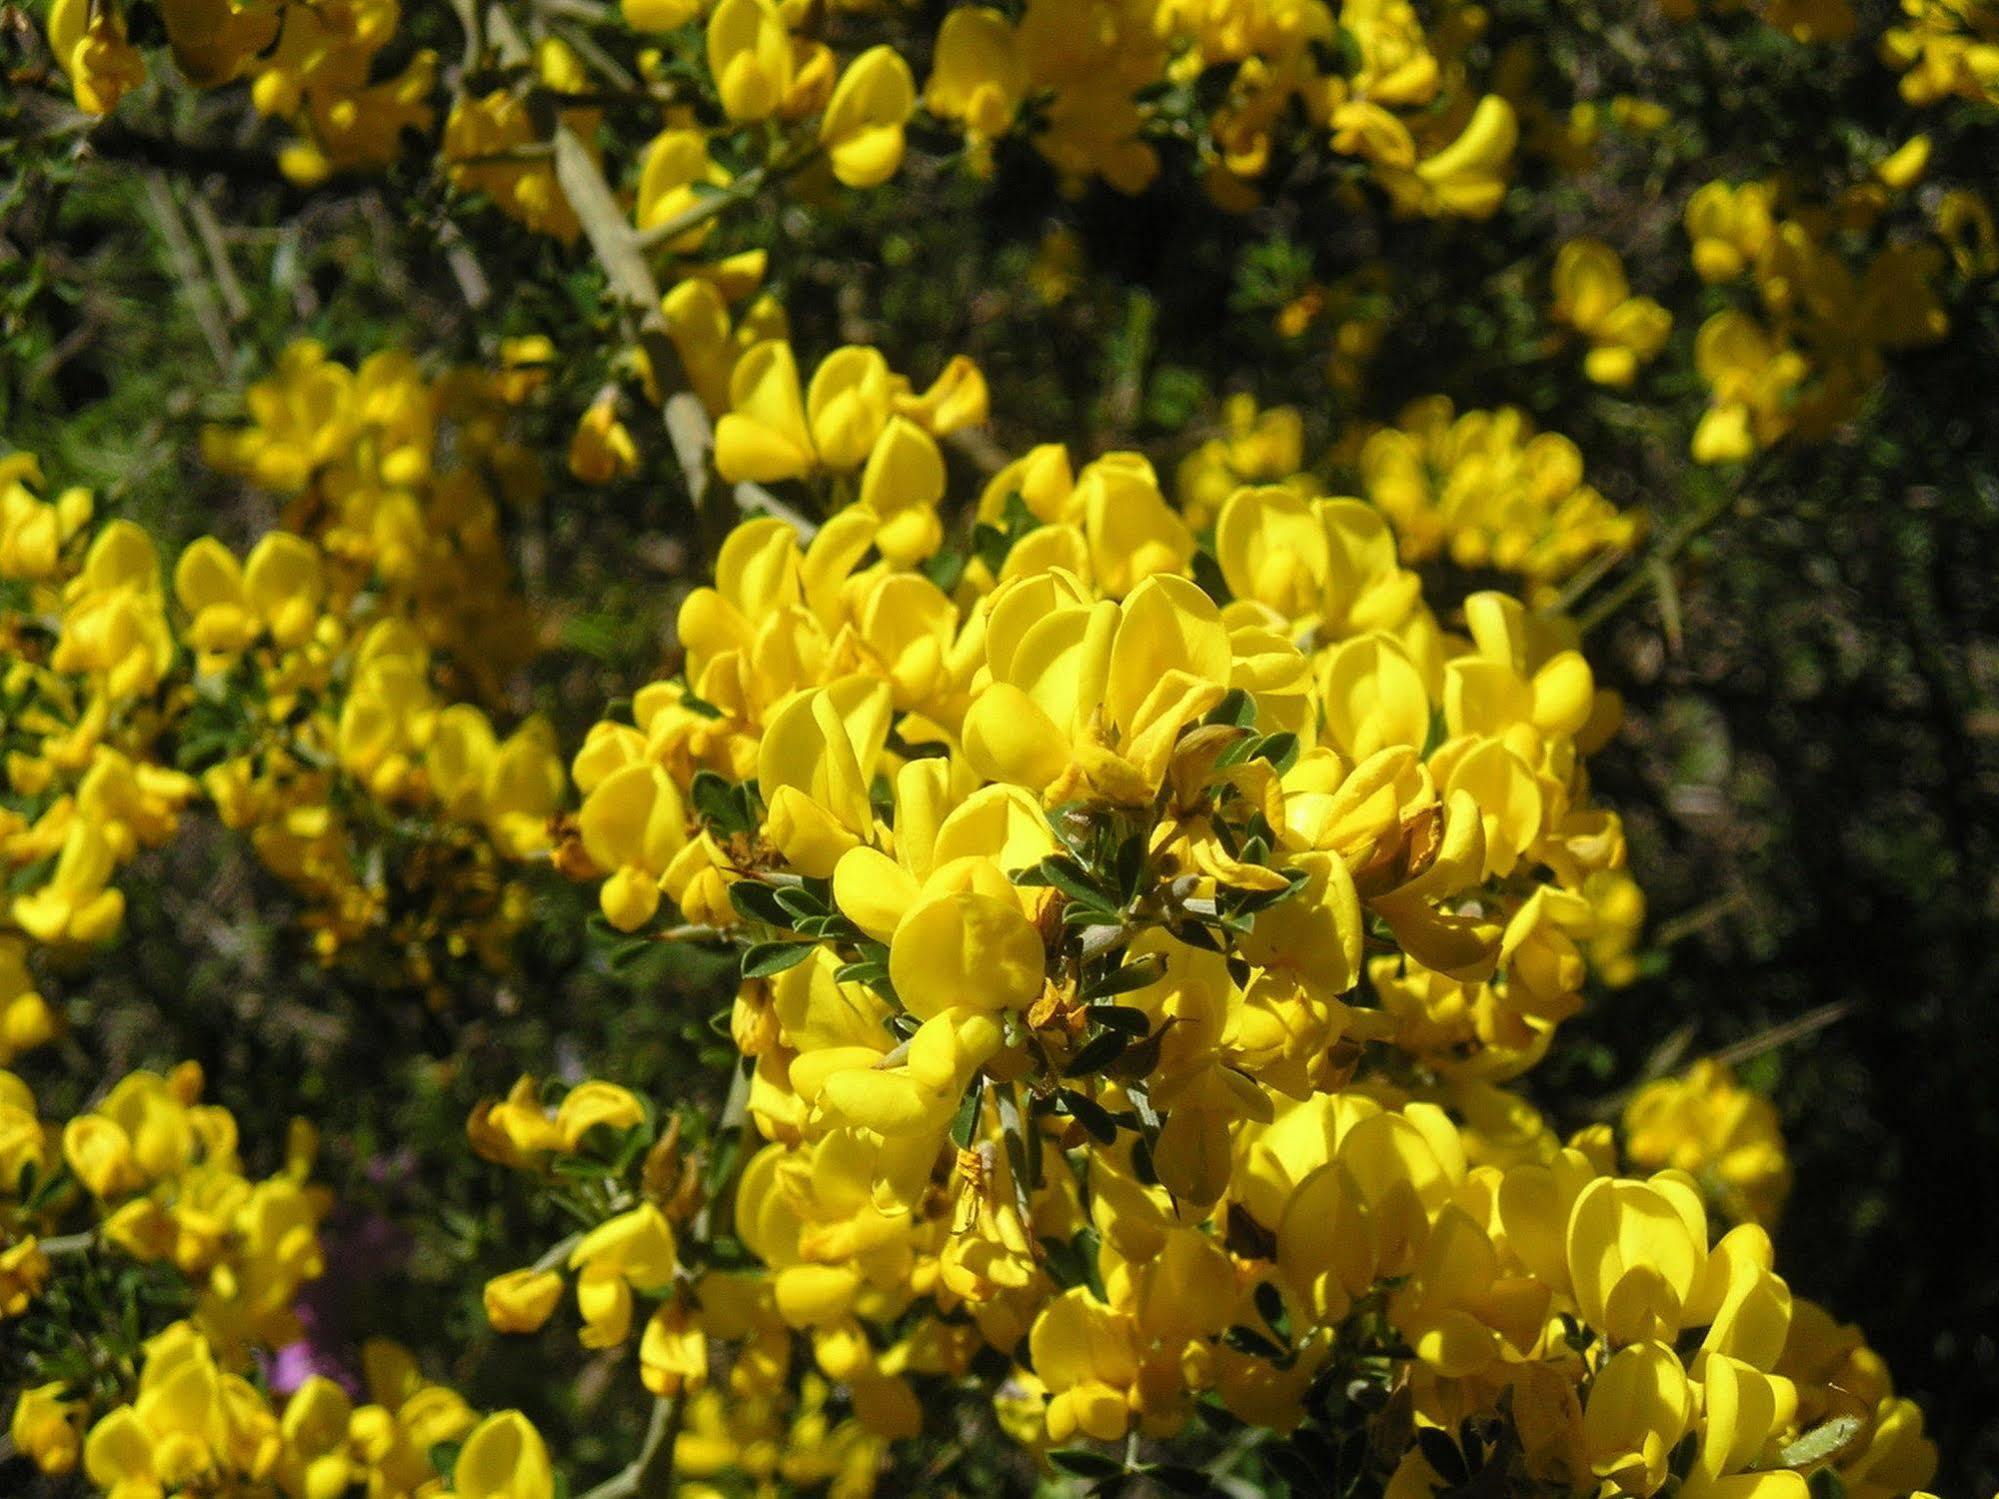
[
  {"x": 1083, "y": 1463},
  {"x": 801, "y": 903},
  {"x": 768, "y": 958},
  {"x": 1820, "y": 1443},
  {"x": 1070, "y": 879},
  {"x": 1237, "y": 709},
  {"x": 444, "y": 1458},
  {"x": 1145, "y": 972},
  {"x": 868, "y": 971},
  {"x": 716, "y": 802},
  {"x": 758, "y": 902},
  {"x": 1442, "y": 1454},
  {"x": 966, "y": 1125},
  {"x": 1098, "y": 1054},
  {"x": 1088, "y": 1113}
]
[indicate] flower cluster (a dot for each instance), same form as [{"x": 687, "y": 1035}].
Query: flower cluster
[
  {"x": 1367, "y": 80},
  {"x": 1488, "y": 491},
  {"x": 314, "y": 691},
  {"x": 1804, "y": 360},
  {"x": 1720, "y": 1133},
  {"x": 1132, "y": 972},
  {"x": 156, "y": 1175},
  {"x": 1095, "y": 87},
  {"x": 311, "y": 65},
  {"x": 1144, "y": 895},
  {"x": 1943, "y": 49},
  {"x": 188, "y": 1402}
]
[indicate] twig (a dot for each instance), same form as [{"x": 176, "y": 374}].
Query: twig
[
  {"x": 67, "y": 1244},
  {"x": 557, "y": 1253},
  {"x": 1783, "y": 1035},
  {"x": 977, "y": 444},
  {"x": 1699, "y": 919},
  {"x": 1645, "y": 574},
  {"x": 607, "y": 65},
  {"x": 234, "y": 302},
  {"x": 472, "y": 283},
  {"x": 1728, "y": 1056},
  {"x": 187, "y": 269},
  {"x": 468, "y": 21},
  {"x": 617, "y": 249},
  {"x": 649, "y": 1475},
  {"x": 1585, "y": 578}
]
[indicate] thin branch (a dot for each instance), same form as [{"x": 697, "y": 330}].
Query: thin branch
[
  {"x": 1783, "y": 1035},
  {"x": 226, "y": 283},
  {"x": 187, "y": 269},
  {"x": 649, "y": 1475},
  {"x": 1699, "y": 919},
  {"x": 977, "y": 444},
  {"x": 1585, "y": 578},
  {"x": 1645, "y": 574},
  {"x": 693, "y": 217},
  {"x": 557, "y": 1252}
]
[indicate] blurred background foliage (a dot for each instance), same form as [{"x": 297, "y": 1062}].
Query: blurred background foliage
[{"x": 1809, "y": 773}]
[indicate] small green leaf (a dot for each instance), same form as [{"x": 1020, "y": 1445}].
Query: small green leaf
[
  {"x": 1820, "y": 1443},
  {"x": 1088, "y": 1113},
  {"x": 1145, "y": 972},
  {"x": 966, "y": 1125},
  {"x": 1083, "y": 1463},
  {"x": 758, "y": 902},
  {"x": 1098, "y": 1054},
  {"x": 768, "y": 958}
]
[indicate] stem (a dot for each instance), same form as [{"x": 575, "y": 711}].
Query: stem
[
  {"x": 1586, "y": 577},
  {"x": 1781, "y": 1035},
  {"x": 1687, "y": 923},
  {"x": 650, "y": 1474},
  {"x": 187, "y": 269},
  {"x": 1675, "y": 542},
  {"x": 558, "y": 1252},
  {"x": 67, "y": 1244},
  {"x": 745, "y": 186}
]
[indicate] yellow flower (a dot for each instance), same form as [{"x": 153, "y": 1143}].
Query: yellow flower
[
  {"x": 659, "y": 15},
  {"x": 503, "y": 1458},
  {"x": 1592, "y": 296},
  {"x": 1086, "y": 1354},
  {"x": 977, "y": 74},
  {"x": 1636, "y": 1255},
  {"x": 1718, "y": 1132},
  {"x": 1730, "y": 224},
  {"x": 1753, "y": 379},
  {"x": 633, "y": 1251},
  {"x": 278, "y": 590},
  {"x": 602, "y": 448},
  {"x": 24, "y": 1271},
  {"x": 1640, "y": 1404},
  {"x": 45, "y": 1428},
  {"x": 1094, "y": 694},
  {"x": 862, "y": 129},
  {"x": 522, "y": 1300},
  {"x": 102, "y": 66},
  {"x": 750, "y": 57}
]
